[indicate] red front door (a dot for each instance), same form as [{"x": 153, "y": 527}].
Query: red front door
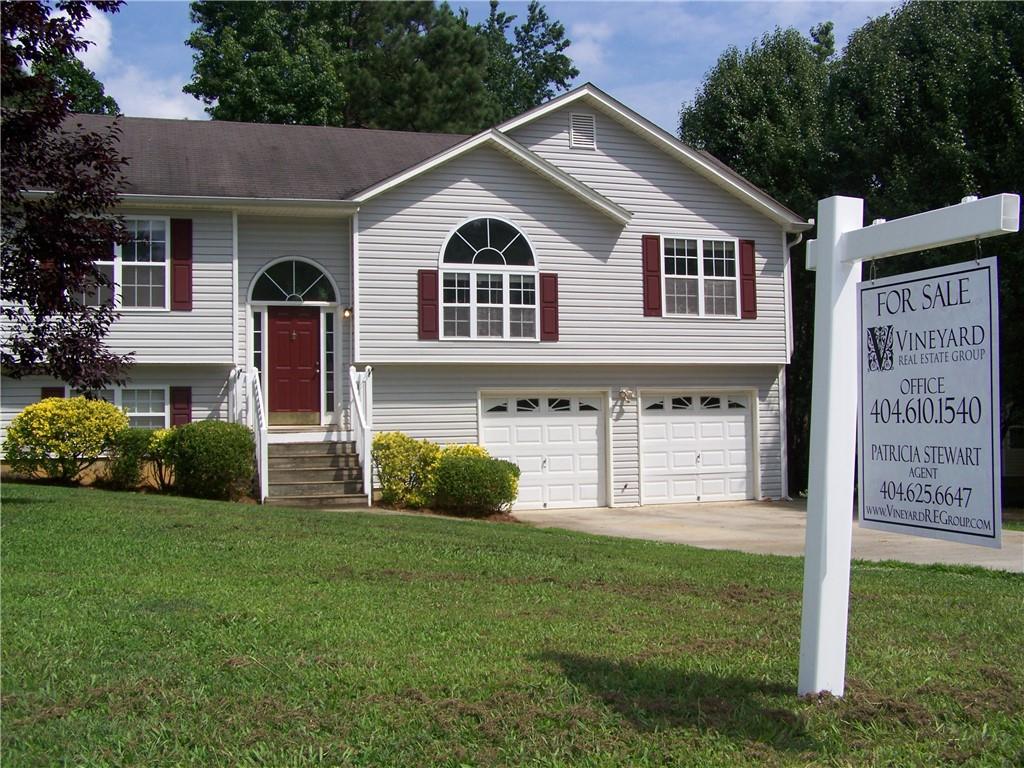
[{"x": 293, "y": 349}]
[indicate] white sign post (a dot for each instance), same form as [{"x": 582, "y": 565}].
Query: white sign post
[
  {"x": 842, "y": 245},
  {"x": 929, "y": 404}
]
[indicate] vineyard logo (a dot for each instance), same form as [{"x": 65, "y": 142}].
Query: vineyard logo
[{"x": 880, "y": 348}]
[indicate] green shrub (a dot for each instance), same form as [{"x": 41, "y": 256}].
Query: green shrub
[
  {"x": 59, "y": 437},
  {"x": 126, "y": 457},
  {"x": 212, "y": 459},
  {"x": 473, "y": 485},
  {"x": 405, "y": 469},
  {"x": 160, "y": 454}
]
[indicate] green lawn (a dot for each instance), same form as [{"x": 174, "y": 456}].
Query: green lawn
[{"x": 150, "y": 630}]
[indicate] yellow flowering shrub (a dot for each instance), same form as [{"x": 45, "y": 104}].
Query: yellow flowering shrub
[
  {"x": 465, "y": 449},
  {"x": 405, "y": 469},
  {"x": 59, "y": 437},
  {"x": 160, "y": 454}
]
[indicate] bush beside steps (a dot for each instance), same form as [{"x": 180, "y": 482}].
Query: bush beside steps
[
  {"x": 458, "y": 479},
  {"x": 59, "y": 438}
]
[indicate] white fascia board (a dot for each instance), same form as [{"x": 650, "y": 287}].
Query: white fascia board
[
  {"x": 208, "y": 202},
  {"x": 519, "y": 153},
  {"x": 671, "y": 144}
]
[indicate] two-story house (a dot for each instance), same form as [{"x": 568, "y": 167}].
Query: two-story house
[{"x": 574, "y": 289}]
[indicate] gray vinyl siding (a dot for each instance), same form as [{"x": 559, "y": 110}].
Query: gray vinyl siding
[
  {"x": 668, "y": 198},
  {"x": 202, "y": 335},
  {"x": 440, "y": 402},
  {"x": 598, "y": 262},
  {"x": 209, "y": 389},
  {"x": 264, "y": 239}
]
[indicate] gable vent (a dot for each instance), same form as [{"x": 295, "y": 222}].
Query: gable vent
[{"x": 582, "y": 132}]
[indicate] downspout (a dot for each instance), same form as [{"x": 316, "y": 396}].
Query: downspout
[{"x": 783, "y": 399}]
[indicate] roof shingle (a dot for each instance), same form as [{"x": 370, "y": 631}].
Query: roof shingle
[{"x": 216, "y": 158}]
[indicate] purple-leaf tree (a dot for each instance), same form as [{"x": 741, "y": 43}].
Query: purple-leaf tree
[{"x": 59, "y": 186}]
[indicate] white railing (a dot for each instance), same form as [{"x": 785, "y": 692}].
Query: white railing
[
  {"x": 258, "y": 422},
  {"x": 246, "y": 406},
  {"x": 361, "y": 417}
]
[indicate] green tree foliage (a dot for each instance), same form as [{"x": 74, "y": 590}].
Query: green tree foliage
[
  {"x": 924, "y": 106},
  {"x": 272, "y": 62},
  {"x": 51, "y": 243},
  {"x": 80, "y": 84},
  {"x": 528, "y": 68},
  {"x": 399, "y": 65},
  {"x": 417, "y": 67}
]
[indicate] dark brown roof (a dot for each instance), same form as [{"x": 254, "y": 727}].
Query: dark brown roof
[{"x": 222, "y": 159}]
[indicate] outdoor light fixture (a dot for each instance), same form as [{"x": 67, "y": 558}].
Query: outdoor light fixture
[
  {"x": 626, "y": 395},
  {"x": 346, "y": 312}
]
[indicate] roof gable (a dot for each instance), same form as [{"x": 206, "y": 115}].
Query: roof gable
[
  {"x": 706, "y": 165},
  {"x": 517, "y": 152}
]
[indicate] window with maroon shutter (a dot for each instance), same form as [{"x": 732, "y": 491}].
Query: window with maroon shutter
[
  {"x": 181, "y": 265},
  {"x": 429, "y": 307},
  {"x": 748, "y": 281},
  {"x": 652, "y": 275},
  {"x": 52, "y": 392},
  {"x": 488, "y": 286},
  {"x": 548, "y": 306},
  {"x": 181, "y": 406}
]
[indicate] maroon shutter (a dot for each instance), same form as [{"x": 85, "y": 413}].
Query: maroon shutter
[
  {"x": 428, "y": 303},
  {"x": 548, "y": 306},
  {"x": 181, "y": 265},
  {"x": 52, "y": 392},
  {"x": 748, "y": 281},
  {"x": 652, "y": 275},
  {"x": 181, "y": 406}
]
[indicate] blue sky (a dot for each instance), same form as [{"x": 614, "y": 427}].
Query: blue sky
[{"x": 649, "y": 55}]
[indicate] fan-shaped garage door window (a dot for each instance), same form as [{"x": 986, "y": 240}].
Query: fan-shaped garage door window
[
  {"x": 293, "y": 280},
  {"x": 488, "y": 241}
]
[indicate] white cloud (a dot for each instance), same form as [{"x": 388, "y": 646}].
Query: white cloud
[
  {"x": 137, "y": 90},
  {"x": 141, "y": 94},
  {"x": 97, "y": 31},
  {"x": 589, "y": 41}
]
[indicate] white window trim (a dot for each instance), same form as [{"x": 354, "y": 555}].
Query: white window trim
[
  {"x": 506, "y": 305},
  {"x": 505, "y": 270},
  {"x": 118, "y": 264},
  {"x": 118, "y": 392},
  {"x": 700, "y": 274}
]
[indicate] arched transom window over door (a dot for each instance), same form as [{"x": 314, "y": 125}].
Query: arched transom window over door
[
  {"x": 294, "y": 281},
  {"x": 488, "y": 282}
]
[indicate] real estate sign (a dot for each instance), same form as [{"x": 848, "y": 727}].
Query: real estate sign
[{"x": 929, "y": 404}]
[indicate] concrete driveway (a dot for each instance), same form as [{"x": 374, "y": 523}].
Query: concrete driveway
[{"x": 775, "y": 528}]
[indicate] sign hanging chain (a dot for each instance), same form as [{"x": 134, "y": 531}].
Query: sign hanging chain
[{"x": 977, "y": 250}]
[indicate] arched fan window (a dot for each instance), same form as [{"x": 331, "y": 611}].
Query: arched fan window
[
  {"x": 488, "y": 241},
  {"x": 489, "y": 283},
  {"x": 293, "y": 280}
]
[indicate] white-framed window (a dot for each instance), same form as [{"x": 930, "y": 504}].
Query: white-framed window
[
  {"x": 140, "y": 270},
  {"x": 489, "y": 283},
  {"x": 700, "y": 276},
  {"x": 147, "y": 407}
]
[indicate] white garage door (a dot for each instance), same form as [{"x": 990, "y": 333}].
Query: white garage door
[
  {"x": 696, "y": 447},
  {"x": 557, "y": 441}
]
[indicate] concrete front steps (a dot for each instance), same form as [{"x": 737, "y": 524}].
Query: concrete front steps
[{"x": 322, "y": 474}]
